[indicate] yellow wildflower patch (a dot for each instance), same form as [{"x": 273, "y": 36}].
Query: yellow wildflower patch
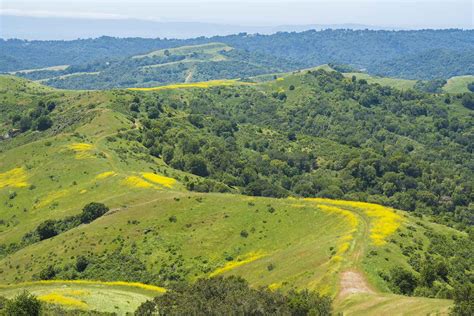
[
  {"x": 158, "y": 179},
  {"x": 136, "y": 182},
  {"x": 76, "y": 292},
  {"x": 143, "y": 286},
  {"x": 384, "y": 220},
  {"x": 343, "y": 248},
  {"x": 82, "y": 150},
  {"x": 15, "y": 178},
  {"x": 274, "y": 286},
  {"x": 248, "y": 258},
  {"x": 55, "y": 298},
  {"x": 105, "y": 175},
  {"x": 348, "y": 215},
  {"x": 344, "y": 242},
  {"x": 51, "y": 197},
  {"x": 203, "y": 85},
  {"x": 138, "y": 285}
]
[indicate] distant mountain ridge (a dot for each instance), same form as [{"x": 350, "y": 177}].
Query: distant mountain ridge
[{"x": 56, "y": 28}]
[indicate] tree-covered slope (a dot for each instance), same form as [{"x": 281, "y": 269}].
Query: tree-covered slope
[
  {"x": 431, "y": 53},
  {"x": 192, "y": 63}
]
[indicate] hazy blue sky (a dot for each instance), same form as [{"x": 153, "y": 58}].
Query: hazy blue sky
[{"x": 401, "y": 13}]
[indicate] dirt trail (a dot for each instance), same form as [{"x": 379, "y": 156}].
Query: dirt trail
[
  {"x": 353, "y": 282},
  {"x": 189, "y": 77}
]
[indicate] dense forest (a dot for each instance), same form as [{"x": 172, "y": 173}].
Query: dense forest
[
  {"x": 320, "y": 134},
  {"x": 434, "y": 53}
]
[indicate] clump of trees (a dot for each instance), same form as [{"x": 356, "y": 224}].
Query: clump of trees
[
  {"x": 431, "y": 86},
  {"x": 232, "y": 295},
  {"x": 92, "y": 211},
  {"x": 37, "y": 119},
  {"x": 51, "y": 228},
  {"x": 441, "y": 270},
  {"x": 470, "y": 86},
  {"x": 23, "y": 304},
  {"x": 468, "y": 100}
]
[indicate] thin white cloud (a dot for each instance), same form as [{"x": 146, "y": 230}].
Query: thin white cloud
[{"x": 62, "y": 14}]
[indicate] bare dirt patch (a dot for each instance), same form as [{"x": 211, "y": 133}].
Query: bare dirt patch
[{"x": 353, "y": 282}]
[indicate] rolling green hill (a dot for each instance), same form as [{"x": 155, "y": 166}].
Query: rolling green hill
[
  {"x": 212, "y": 51},
  {"x": 194, "y": 63},
  {"x": 458, "y": 84},
  {"x": 171, "y": 165}
]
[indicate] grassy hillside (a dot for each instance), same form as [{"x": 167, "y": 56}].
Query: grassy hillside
[
  {"x": 211, "y": 50},
  {"x": 370, "y": 304},
  {"x": 458, "y": 84},
  {"x": 159, "y": 232},
  {"x": 112, "y": 297},
  {"x": 401, "y": 84}
]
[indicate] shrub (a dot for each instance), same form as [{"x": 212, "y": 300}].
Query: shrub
[
  {"x": 3, "y": 303},
  {"x": 135, "y": 107},
  {"x": 47, "y": 273},
  {"x": 470, "y": 86},
  {"x": 46, "y": 230},
  {"x": 402, "y": 281},
  {"x": 463, "y": 300},
  {"x": 468, "y": 100},
  {"x": 196, "y": 165},
  {"x": 43, "y": 123},
  {"x": 25, "y": 124},
  {"x": 308, "y": 303},
  {"x": 24, "y": 304},
  {"x": 93, "y": 211},
  {"x": 81, "y": 263}
]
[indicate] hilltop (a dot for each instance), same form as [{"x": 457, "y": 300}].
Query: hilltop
[{"x": 312, "y": 180}]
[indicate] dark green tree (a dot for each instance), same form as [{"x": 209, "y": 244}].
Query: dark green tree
[
  {"x": 468, "y": 100},
  {"x": 46, "y": 229},
  {"x": 24, "y": 304},
  {"x": 402, "y": 281},
  {"x": 93, "y": 211},
  {"x": 43, "y": 123}
]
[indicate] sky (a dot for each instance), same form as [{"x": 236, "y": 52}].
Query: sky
[{"x": 409, "y": 14}]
